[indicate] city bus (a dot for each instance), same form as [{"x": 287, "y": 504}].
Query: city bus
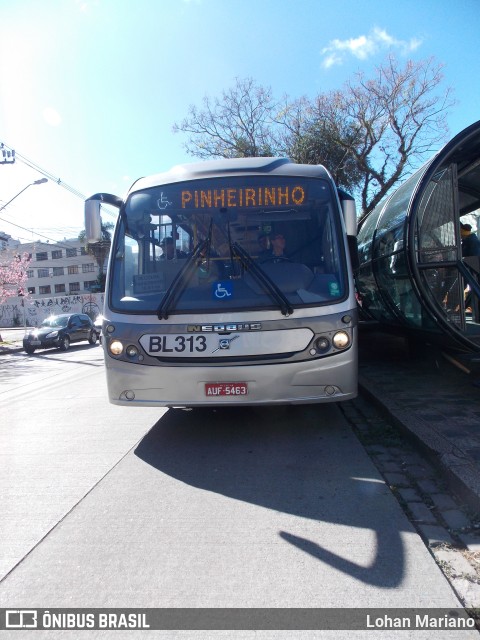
[{"x": 229, "y": 282}]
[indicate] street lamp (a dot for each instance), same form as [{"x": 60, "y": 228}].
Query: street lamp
[{"x": 41, "y": 181}]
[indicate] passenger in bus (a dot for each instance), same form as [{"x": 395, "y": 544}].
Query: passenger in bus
[
  {"x": 276, "y": 253},
  {"x": 265, "y": 247},
  {"x": 169, "y": 250}
]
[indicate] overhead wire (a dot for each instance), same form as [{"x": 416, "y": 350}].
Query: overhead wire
[
  {"x": 56, "y": 242},
  {"x": 53, "y": 178}
]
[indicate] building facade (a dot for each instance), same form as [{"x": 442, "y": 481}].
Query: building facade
[
  {"x": 61, "y": 278},
  {"x": 63, "y": 268}
]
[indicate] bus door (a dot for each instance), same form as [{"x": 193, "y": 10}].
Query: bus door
[{"x": 438, "y": 245}]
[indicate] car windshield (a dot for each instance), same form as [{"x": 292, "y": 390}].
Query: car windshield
[
  {"x": 55, "y": 321},
  {"x": 232, "y": 243}
]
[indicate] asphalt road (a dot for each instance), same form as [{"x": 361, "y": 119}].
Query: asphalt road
[{"x": 107, "y": 506}]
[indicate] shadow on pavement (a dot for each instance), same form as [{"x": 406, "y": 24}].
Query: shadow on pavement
[{"x": 294, "y": 463}]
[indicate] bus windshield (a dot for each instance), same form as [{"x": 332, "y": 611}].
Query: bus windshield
[{"x": 225, "y": 244}]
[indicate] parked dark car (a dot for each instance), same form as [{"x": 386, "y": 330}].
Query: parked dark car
[{"x": 60, "y": 331}]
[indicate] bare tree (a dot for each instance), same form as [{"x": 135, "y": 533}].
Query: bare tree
[
  {"x": 240, "y": 124},
  {"x": 394, "y": 119},
  {"x": 370, "y": 134},
  {"x": 312, "y": 140}
]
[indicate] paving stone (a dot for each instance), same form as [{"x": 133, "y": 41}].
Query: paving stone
[
  {"x": 421, "y": 513},
  {"x": 378, "y": 449},
  {"x": 391, "y": 467},
  {"x": 435, "y": 534},
  {"x": 437, "y": 405},
  {"x": 420, "y": 471},
  {"x": 397, "y": 452},
  {"x": 428, "y": 486},
  {"x": 413, "y": 459},
  {"x": 397, "y": 479},
  {"x": 409, "y": 495},
  {"x": 443, "y": 501},
  {"x": 455, "y": 519},
  {"x": 471, "y": 541},
  {"x": 383, "y": 457}
]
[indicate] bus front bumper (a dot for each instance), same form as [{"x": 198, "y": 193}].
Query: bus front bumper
[{"x": 331, "y": 379}]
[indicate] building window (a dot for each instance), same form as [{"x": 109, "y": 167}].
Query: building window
[
  {"x": 29, "y": 273},
  {"x": 43, "y": 255},
  {"x": 58, "y": 271},
  {"x": 73, "y": 269},
  {"x": 43, "y": 273},
  {"x": 46, "y": 289},
  {"x": 57, "y": 254},
  {"x": 74, "y": 286},
  {"x": 71, "y": 253},
  {"x": 83, "y": 251},
  {"x": 88, "y": 284},
  {"x": 31, "y": 289},
  {"x": 88, "y": 268},
  {"x": 59, "y": 288}
]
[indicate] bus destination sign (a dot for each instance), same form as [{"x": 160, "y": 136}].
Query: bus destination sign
[{"x": 244, "y": 197}]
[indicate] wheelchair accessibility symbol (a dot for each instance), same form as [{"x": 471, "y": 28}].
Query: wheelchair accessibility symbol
[{"x": 222, "y": 290}]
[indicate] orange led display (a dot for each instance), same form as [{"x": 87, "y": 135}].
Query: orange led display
[{"x": 279, "y": 196}]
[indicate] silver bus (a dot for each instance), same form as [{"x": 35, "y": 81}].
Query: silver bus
[{"x": 230, "y": 282}]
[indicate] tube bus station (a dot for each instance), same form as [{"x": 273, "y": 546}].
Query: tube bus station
[{"x": 413, "y": 276}]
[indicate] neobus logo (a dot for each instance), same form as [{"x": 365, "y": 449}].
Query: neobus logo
[{"x": 218, "y": 328}]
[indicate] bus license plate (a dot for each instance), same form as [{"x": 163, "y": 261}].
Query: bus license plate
[{"x": 226, "y": 389}]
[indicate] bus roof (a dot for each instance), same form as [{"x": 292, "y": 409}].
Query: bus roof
[{"x": 231, "y": 166}]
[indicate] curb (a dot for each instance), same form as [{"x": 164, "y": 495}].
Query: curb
[
  {"x": 461, "y": 471},
  {"x": 11, "y": 348}
]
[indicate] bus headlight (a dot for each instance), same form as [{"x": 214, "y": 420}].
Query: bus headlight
[
  {"x": 322, "y": 344},
  {"x": 341, "y": 340},
  {"x": 131, "y": 351},
  {"x": 116, "y": 347}
]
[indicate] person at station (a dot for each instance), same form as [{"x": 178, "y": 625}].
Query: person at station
[
  {"x": 470, "y": 241},
  {"x": 470, "y": 248},
  {"x": 170, "y": 252},
  {"x": 276, "y": 253}
]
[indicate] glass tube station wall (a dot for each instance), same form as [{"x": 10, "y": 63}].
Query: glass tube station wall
[{"x": 412, "y": 276}]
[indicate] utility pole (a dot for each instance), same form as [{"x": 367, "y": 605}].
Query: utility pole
[{"x": 8, "y": 155}]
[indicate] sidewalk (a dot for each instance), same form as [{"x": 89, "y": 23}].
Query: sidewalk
[
  {"x": 11, "y": 339},
  {"x": 428, "y": 397},
  {"x": 433, "y": 401}
]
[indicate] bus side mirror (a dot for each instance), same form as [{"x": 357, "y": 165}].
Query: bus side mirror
[
  {"x": 350, "y": 216},
  {"x": 93, "y": 221},
  {"x": 349, "y": 211}
]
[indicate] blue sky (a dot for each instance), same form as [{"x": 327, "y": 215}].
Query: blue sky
[{"x": 90, "y": 89}]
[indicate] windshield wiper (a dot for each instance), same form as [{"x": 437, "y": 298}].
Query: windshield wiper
[
  {"x": 181, "y": 280},
  {"x": 263, "y": 279}
]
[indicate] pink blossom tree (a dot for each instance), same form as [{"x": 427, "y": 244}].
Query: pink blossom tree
[{"x": 13, "y": 277}]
